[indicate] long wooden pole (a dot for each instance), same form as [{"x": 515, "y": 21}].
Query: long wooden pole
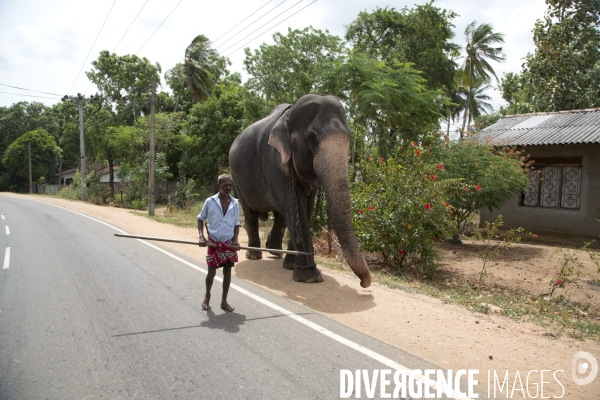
[{"x": 299, "y": 253}]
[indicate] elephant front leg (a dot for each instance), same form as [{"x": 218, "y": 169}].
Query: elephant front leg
[{"x": 305, "y": 268}]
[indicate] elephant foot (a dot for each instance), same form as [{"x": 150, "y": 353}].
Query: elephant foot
[
  {"x": 254, "y": 255},
  {"x": 307, "y": 274},
  {"x": 289, "y": 261},
  {"x": 272, "y": 246}
]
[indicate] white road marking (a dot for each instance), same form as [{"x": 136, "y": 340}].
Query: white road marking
[
  {"x": 7, "y": 230},
  {"x": 2, "y": 216},
  {"x": 340, "y": 339},
  {"x": 6, "y": 258}
]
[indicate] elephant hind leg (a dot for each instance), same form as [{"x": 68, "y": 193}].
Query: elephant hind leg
[
  {"x": 251, "y": 220},
  {"x": 275, "y": 239}
]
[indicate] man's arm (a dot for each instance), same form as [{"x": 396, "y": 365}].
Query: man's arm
[
  {"x": 234, "y": 242},
  {"x": 202, "y": 240}
]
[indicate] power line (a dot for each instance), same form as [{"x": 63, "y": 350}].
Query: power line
[
  {"x": 274, "y": 26},
  {"x": 145, "y": 27},
  {"x": 29, "y": 95},
  {"x": 159, "y": 26},
  {"x": 91, "y": 48},
  {"x": 252, "y": 23},
  {"x": 239, "y": 23},
  {"x": 138, "y": 14},
  {"x": 29, "y": 90}
]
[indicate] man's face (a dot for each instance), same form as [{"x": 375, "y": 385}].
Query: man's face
[{"x": 225, "y": 186}]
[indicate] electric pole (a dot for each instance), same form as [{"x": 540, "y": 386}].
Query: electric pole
[
  {"x": 30, "y": 185},
  {"x": 151, "y": 161},
  {"x": 80, "y": 99}
]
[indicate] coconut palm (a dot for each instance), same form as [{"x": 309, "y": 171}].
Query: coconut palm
[
  {"x": 479, "y": 102},
  {"x": 480, "y": 48},
  {"x": 198, "y": 69}
]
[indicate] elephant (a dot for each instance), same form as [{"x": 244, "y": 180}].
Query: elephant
[{"x": 278, "y": 163}]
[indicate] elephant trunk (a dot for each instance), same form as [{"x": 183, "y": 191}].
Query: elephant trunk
[{"x": 331, "y": 165}]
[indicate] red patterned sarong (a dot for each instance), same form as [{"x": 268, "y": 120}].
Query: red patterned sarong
[{"x": 217, "y": 256}]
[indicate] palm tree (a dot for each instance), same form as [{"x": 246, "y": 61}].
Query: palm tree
[
  {"x": 479, "y": 102},
  {"x": 198, "y": 69},
  {"x": 480, "y": 42}
]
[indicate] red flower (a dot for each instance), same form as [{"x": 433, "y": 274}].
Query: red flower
[
  {"x": 447, "y": 204},
  {"x": 414, "y": 143},
  {"x": 418, "y": 152},
  {"x": 441, "y": 166},
  {"x": 558, "y": 282},
  {"x": 427, "y": 206},
  {"x": 361, "y": 211},
  {"x": 401, "y": 252},
  {"x": 466, "y": 188},
  {"x": 432, "y": 177},
  {"x": 534, "y": 235},
  {"x": 381, "y": 160},
  {"x": 478, "y": 188},
  {"x": 371, "y": 208}
]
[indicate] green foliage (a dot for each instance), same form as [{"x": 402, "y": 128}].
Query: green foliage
[
  {"x": 569, "y": 269},
  {"x": 44, "y": 155},
  {"x": 490, "y": 176},
  {"x": 208, "y": 132},
  {"x": 494, "y": 241},
  {"x": 135, "y": 176},
  {"x": 295, "y": 65},
  {"x": 185, "y": 194},
  {"x": 420, "y": 36},
  {"x": 399, "y": 208},
  {"x": 485, "y": 120},
  {"x": 564, "y": 71},
  {"x": 392, "y": 101},
  {"x": 124, "y": 84}
]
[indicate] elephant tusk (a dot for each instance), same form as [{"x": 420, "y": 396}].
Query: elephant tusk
[{"x": 298, "y": 253}]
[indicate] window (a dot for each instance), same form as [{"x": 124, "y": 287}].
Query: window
[{"x": 554, "y": 183}]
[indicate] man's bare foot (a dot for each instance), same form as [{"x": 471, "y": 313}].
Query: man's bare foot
[
  {"x": 227, "y": 307},
  {"x": 205, "y": 305}
]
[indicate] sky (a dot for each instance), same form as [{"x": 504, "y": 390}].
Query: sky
[{"x": 47, "y": 45}]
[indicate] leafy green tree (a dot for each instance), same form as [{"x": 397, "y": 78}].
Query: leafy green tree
[
  {"x": 44, "y": 156},
  {"x": 391, "y": 102},
  {"x": 421, "y": 36},
  {"x": 124, "y": 84},
  {"x": 295, "y": 65},
  {"x": 480, "y": 48},
  {"x": 479, "y": 101},
  {"x": 208, "y": 132},
  {"x": 564, "y": 71},
  {"x": 489, "y": 177}
]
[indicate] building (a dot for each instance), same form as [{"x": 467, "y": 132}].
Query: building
[{"x": 564, "y": 187}]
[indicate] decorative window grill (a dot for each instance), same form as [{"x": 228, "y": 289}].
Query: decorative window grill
[{"x": 557, "y": 185}]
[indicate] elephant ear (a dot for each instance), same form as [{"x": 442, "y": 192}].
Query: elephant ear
[{"x": 280, "y": 138}]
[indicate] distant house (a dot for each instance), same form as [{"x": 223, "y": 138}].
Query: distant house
[
  {"x": 105, "y": 175},
  {"x": 66, "y": 176},
  {"x": 564, "y": 188}
]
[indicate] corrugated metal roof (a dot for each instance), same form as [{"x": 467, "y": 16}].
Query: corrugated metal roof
[{"x": 563, "y": 127}]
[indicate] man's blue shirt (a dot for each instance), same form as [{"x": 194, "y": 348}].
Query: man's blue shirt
[{"x": 220, "y": 227}]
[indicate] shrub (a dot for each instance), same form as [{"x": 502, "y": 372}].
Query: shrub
[{"x": 399, "y": 209}]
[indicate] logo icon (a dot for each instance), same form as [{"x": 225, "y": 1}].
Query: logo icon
[{"x": 584, "y": 363}]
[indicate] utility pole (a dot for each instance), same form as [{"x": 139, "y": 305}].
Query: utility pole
[
  {"x": 151, "y": 161},
  {"x": 59, "y": 173},
  {"x": 30, "y": 185},
  {"x": 80, "y": 101}
]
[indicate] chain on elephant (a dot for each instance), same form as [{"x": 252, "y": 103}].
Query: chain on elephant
[{"x": 296, "y": 217}]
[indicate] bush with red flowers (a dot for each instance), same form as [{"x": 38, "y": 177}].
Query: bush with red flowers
[{"x": 403, "y": 208}]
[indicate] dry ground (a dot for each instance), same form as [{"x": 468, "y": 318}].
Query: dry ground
[{"x": 448, "y": 335}]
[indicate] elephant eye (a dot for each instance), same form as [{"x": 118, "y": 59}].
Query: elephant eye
[{"x": 312, "y": 137}]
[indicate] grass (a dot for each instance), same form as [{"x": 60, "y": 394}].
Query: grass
[{"x": 185, "y": 218}]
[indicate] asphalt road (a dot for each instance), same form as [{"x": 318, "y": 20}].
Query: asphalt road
[{"x": 86, "y": 315}]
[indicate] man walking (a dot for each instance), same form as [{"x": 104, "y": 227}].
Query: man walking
[{"x": 222, "y": 212}]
